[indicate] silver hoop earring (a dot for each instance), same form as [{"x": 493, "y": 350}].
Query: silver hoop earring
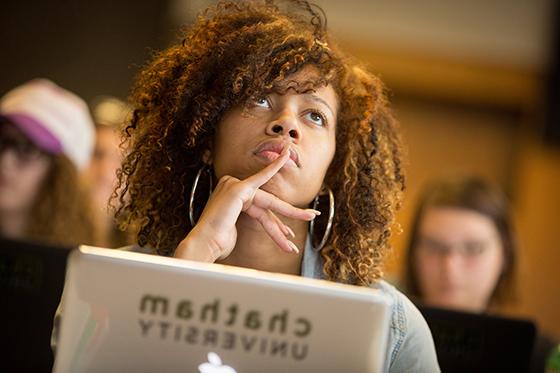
[
  {"x": 324, "y": 190},
  {"x": 206, "y": 169}
]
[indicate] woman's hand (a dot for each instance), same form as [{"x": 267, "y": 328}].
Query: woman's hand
[{"x": 215, "y": 233}]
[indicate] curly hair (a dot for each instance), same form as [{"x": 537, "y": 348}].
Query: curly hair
[
  {"x": 236, "y": 52},
  {"x": 62, "y": 213}
]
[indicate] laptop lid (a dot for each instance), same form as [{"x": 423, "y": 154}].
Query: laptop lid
[
  {"x": 467, "y": 342},
  {"x": 31, "y": 281},
  {"x": 138, "y": 312}
]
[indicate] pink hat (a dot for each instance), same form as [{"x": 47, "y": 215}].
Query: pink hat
[{"x": 53, "y": 118}]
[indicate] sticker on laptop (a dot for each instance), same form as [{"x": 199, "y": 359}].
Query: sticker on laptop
[{"x": 214, "y": 365}]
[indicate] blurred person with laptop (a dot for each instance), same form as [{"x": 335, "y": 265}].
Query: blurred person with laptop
[
  {"x": 46, "y": 140},
  {"x": 463, "y": 249}
]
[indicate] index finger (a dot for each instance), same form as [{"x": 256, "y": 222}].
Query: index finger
[{"x": 261, "y": 177}]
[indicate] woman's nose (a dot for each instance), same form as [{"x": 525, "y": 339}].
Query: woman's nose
[
  {"x": 8, "y": 159},
  {"x": 451, "y": 261},
  {"x": 285, "y": 125}
]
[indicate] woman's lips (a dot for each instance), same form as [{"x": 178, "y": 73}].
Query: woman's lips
[
  {"x": 271, "y": 150},
  {"x": 270, "y": 156}
]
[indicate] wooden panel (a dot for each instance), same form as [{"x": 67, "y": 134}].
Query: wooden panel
[
  {"x": 538, "y": 205},
  {"x": 452, "y": 80},
  {"x": 445, "y": 140}
]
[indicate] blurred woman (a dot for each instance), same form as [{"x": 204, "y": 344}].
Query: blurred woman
[
  {"x": 462, "y": 249},
  {"x": 46, "y": 139}
]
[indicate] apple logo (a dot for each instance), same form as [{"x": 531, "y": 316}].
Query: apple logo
[{"x": 214, "y": 365}]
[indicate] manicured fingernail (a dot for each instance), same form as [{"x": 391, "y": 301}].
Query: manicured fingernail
[
  {"x": 290, "y": 231},
  {"x": 293, "y": 247},
  {"x": 316, "y": 212}
]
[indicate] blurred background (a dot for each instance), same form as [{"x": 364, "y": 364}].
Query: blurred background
[{"x": 475, "y": 85}]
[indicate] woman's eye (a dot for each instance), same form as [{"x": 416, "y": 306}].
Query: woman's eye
[
  {"x": 474, "y": 248},
  {"x": 263, "y": 102},
  {"x": 316, "y": 118}
]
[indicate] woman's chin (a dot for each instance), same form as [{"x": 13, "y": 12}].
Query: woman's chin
[{"x": 279, "y": 188}]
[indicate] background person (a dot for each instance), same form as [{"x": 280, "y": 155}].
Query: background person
[
  {"x": 462, "y": 252},
  {"x": 46, "y": 139}
]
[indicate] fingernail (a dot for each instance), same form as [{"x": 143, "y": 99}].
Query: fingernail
[
  {"x": 293, "y": 247},
  {"x": 316, "y": 212},
  {"x": 290, "y": 231}
]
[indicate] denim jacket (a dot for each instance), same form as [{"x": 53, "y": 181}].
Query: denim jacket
[{"x": 411, "y": 346}]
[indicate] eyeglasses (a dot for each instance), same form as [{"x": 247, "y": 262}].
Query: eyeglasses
[
  {"x": 468, "y": 249},
  {"x": 24, "y": 150}
]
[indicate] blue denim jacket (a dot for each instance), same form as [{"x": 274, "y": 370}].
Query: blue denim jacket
[{"x": 411, "y": 346}]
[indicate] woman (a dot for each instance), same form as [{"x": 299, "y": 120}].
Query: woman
[
  {"x": 258, "y": 105},
  {"x": 462, "y": 250},
  {"x": 46, "y": 138}
]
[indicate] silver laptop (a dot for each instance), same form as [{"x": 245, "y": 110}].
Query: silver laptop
[{"x": 134, "y": 312}]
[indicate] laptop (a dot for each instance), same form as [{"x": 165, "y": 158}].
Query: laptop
[
  {"x": 467, "y": 342},
  {"x": 31, "y": 281},
  {"x": 125, "y": 311}
]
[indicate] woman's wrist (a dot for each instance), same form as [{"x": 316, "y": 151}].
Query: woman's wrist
[{"x": 197, "y": 247}]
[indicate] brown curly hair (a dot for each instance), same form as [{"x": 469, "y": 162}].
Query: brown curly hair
[
  {"x": 236, "y": 52},
  {"x": 62, "y": 213}
]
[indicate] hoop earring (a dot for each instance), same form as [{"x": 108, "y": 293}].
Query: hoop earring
[
  {"x": 324, "y": 190},
  {"x": 207, "y": 169}
]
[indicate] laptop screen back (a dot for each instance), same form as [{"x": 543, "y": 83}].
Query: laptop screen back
[
  {"x": 129, "y": 311},
  {"x": 468, "y": 342},
  {"x": 31, "y": 281}
]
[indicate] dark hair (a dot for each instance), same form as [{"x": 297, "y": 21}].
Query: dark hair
[
  {"x": 235, "y": 52},
  {"x": 474, "y": 194}
]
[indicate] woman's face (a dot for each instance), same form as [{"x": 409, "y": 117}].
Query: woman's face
[
  {"x": 23, "y": 169},
  {"x": 459, "y": 258},
  {"x": 247, "y": 141}
]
